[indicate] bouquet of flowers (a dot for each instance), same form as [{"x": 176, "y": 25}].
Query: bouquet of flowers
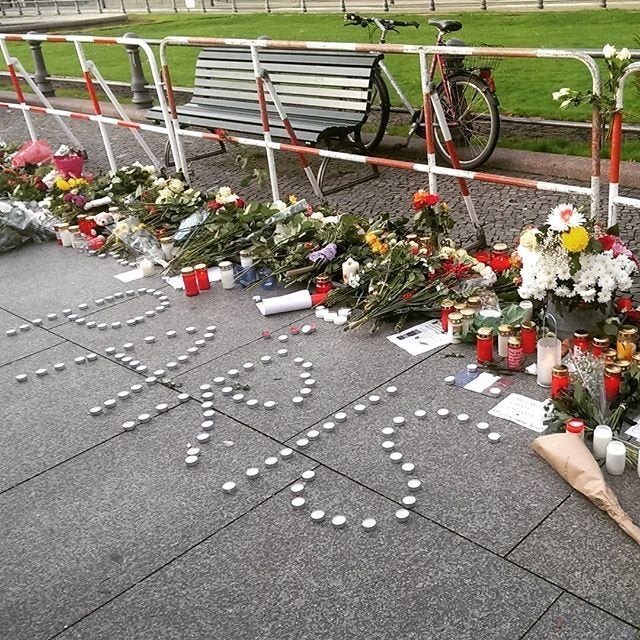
[{"x": 572, "y": 260}]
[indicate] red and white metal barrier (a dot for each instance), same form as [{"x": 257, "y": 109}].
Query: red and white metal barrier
[
  {"x": 90, "y": 73},
  {"x": 429, "y": 97},
  {"x": 616, "y": 148}
]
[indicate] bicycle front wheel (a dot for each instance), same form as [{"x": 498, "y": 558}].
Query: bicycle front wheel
[
  {"x": 375, "y": 122},
  {"x": 472, "y": 115}
]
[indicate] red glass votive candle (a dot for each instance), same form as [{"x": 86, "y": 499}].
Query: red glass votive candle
[
  {"x": 624, "y": 304},
  {"x": 598, "y": 346},
  {"x": 446, "y": 309},
  {"x": 580, "y": 342},
  {"x": 612, "y": 379},
  {"x": 514, "y": 353},
  {"x": 500, "y": 259},
  {"x": 482, "y": 255},
  {"x": 575, "y": 426},
  {"x": 528, "y": 336},
  {"x": 323, "y": 284},
  {"x": 202, "y": 277},
  {"x": 190, "y": 282},
  {"x": 559, "y": 380},
  {"x": 484, "y": 345}
]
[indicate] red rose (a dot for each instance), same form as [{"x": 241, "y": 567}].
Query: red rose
[
  {"x": 607, "y": 241},
  {"x": 407, "y": 296},
  {"x": 240, "y": 203}
]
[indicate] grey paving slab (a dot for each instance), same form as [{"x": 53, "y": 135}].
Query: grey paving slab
[
  {"x": 233, "y": 313},
  {"x": 46, "y": 419},
  {"x": 24, "y": 342},
  {"x": 79, "y": 534},
  {"x": 275, "y": 574},
  {"x": 572, "y": 619},
  {"x": 583, "y": 550},
  {"x": 493, "y": 494},
  {"x": 45, "y": 278},
  {"x": 343, "y": 365}
]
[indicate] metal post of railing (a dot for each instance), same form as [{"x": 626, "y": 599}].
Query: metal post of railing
[
  {"x": 385, "y": 5},
  {"x": 41, "y": 75},
  {"x": 303, "y": 6},
  {"x": 540, "y": 4},
  {"x": 203, "y": 6},
  {"x": 77, "y": 6},
  {"x": 432, "y": 5},
  {"x": 122, "y": 7},
  {"x": 141, "y": 95},
  {"x": 483, "y": 5},
  {"x": 36, "y": 4},
  {"x": 56, "y": 6},
  {"x": 603, "y": 4},
  {"x": 343, "y": 6},
  {"x": 174, "y": 6},
  {"x": 267, "y": 6},
  {"x": 234, "y": 8},
  {"x": 19, "y": 9},
  {"x": 3, "y": 13},
  {"x": 147, "y": 7}
]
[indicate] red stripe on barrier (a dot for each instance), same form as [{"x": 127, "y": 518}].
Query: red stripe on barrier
[
  {"x": 455, "y": 161},
  {"x": 616, "y": 144},
  {"x": 171, "y": 100},
  {"x": 127, "y": 124},
  {"x": 80, "y": 116},
  {"x": 16, "y": 84},
  {"x": 104, "y": 40},
  {"x": 428, "y": 124},
  {"x": 596, "y": 144},
  {"x": 92, "y": 93},
  {"x": 37, "y": 109},
  {"x": 264, "y": 116},
  {"x": 13, "y": 38},
  {"x": 507, "y": 180},
  {"x": 294, "y": 140},
  {"x": 4, "y": 104}
]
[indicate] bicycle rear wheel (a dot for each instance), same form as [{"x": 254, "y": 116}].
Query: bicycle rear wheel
[
  {"x": 375, "y": 122},
  {"x": 474, "y": 122}
]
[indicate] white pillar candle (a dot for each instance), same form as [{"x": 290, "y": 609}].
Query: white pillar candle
[
  {"x": 527, "y": 307},
  {"x": 226, "y": 274},
  {"x": 146, "y": 267},
  {"x": 350, "y": 267},
  {"x": 65, "y": 235},
  {"x": 616, "y": 458},
  {"x": 549, "y": 356},
  {"x": 602, "y": 436},
  {"x": 166, "y": 245},
  {"x": 246, "y": 259}
]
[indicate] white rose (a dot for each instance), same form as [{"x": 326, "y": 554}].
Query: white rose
[
  {"x": 175, "y": 185},
  {"x": 608, "y": 51},
  {"x": 558, "y": 95},
  {"x": 316, "y": 215},
  {"x": 224, "y": 192},
  {"x": 279, "y": 205}
]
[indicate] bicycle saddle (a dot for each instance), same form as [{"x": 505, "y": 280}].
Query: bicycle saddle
[{"x": 446, "y": 26}]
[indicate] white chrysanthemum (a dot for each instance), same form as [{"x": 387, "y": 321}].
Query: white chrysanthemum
[
  {"x": 608, "y": 51},
  {"x": 565, "y": 216}
]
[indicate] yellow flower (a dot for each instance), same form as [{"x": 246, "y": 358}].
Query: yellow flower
[
  {"x": 62, "y": 184},
  {"x": 370, "y": 238},
  {"x": 376, "y": 246},
  {"x": 575, "y": 240},
  {"x": 384, "y": 248},
  {"x": 292, "y": 199}
]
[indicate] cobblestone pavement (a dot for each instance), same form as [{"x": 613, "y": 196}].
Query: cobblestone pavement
[{"x": 502, "y": 210}]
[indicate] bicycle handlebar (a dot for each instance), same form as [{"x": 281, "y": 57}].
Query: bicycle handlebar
[{"x": 354, "y": 20}]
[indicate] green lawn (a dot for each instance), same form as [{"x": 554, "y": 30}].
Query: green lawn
[{"x": 524, "y": 86}]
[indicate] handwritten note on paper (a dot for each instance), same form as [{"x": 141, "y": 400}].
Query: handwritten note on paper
[
  {"x": 420, "y": 339},
  {"x": 521, "y": 410}
]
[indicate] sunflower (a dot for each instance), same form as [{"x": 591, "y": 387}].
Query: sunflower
[{"x": 575, "y": 240}]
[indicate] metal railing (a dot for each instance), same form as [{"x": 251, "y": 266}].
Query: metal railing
[{"x": 20, "y": 8}]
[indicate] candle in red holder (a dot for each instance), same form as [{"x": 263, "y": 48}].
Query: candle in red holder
[
  {"x": 514, "y": 353},
  {"x": 202, "y": 277},
  {"x": 190, "y": 282},
  {"x": 559, "y": 380},
  {"x": 446, "y": 309},
  {"x": 81, "y": 221},
  {"x": 323, "y": 283},
  {"x": 90, "y": 224},
  {"x": 484, "y": 345},
  {"x": 482, "y": 255},
  {"x": 500, "y": 259},
  {"x": 575, "y": 426},
  {"x": 612, "y": 378},
  {"x": 580, "y": 342},
  {"x": 609, "y": 356},
  {"x": 598, "y": 346},
  {"x": 56, "y": 229},
  {"x": 529, "y": 336}
]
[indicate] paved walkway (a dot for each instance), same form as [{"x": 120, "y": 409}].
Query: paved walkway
[{"x": 107, "y": 534}]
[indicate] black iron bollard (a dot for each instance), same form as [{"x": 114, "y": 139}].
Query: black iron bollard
[
  {"x": 41, "y": 75},
  {"x": 141, "y": 95}
]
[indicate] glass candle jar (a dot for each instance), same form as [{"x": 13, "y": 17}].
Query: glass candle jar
[
  {"x": 575, "y": 426},
  {"x": 483, "y": 256},
  {"x": 65, "y": 234},
  {"x": 612, "y": 379},
  {"x": 445, "y": 310},
  {"x": 602, "y": 436},
  {"x": 484, "y": 345},
  {"x": 529, "y": 336},
  {"x": 609, "y": 356},
  {"x": 599, "y": 346},
  {"x": 549, "y": 355},
  {"x": 559, "y": 380},
  {"x": 624, "y": 365},
  {"x": 505, "y": 331},
  {"x": 635, "y": 360},
  {"x": 616, "y": 458},
  {"x": 190, "y": 282},
  {"x": 527, "y": 307},
  {"x": 76, "y": 237},
  {"x": 626, "y": 343},
  {"x": 455, "y": 327},
  {"x": 226, "y": 275},
  {"x": 580, "y": 343},
  {"x": 467, "y": 320},
  {"x": 500, "y": 259},
  {"x": 514, "y": 353},
  {"x": 323, "y": 283},
  {"x": 202, "y": 276},
  {"x": 166, "y": 244},
  {"x": 474, "y": 302},
  {"x": 81, "y": 221}
]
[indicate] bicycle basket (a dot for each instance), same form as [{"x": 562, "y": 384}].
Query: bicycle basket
[{"x": 477, "y": 63}]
